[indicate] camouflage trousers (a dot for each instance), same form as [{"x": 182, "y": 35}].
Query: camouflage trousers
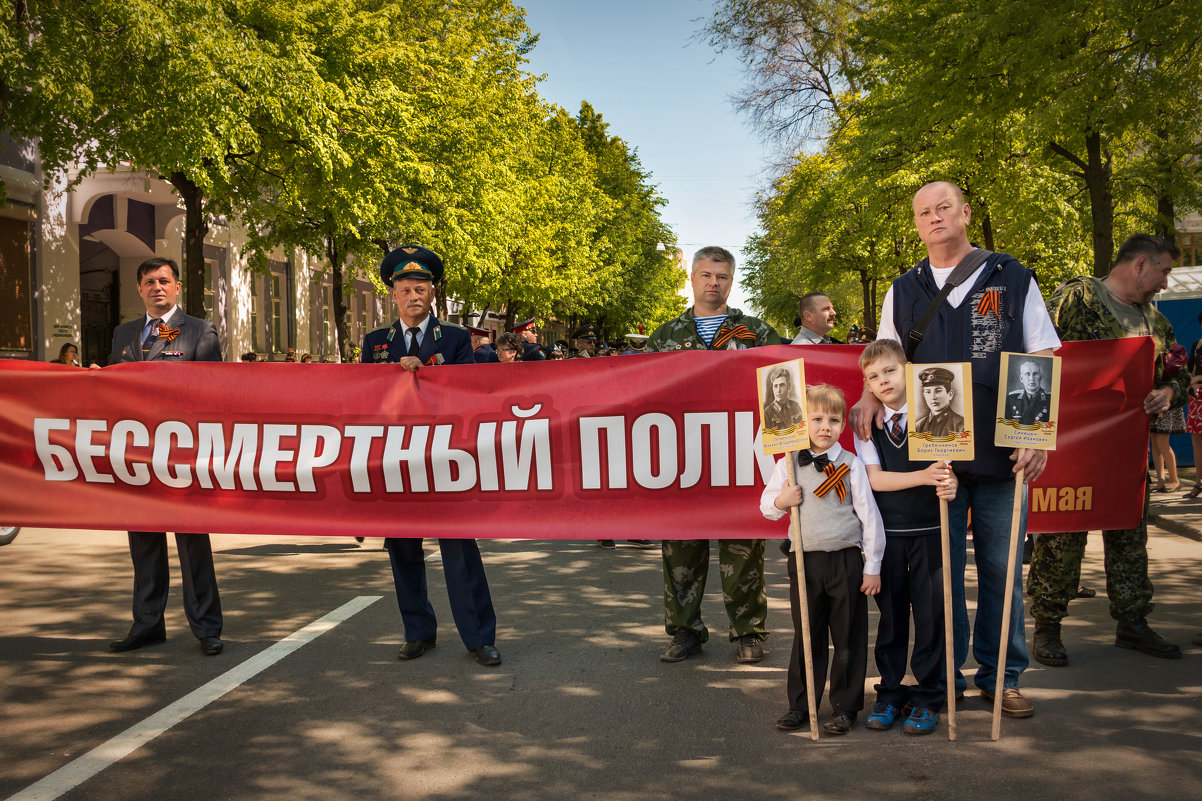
[
  {"x": 1055, "y": 573},
  {"x": 741, "y": 566}
]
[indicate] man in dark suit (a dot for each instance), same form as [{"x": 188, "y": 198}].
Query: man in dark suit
[
  {"x": 415, "y": 340},
  {"x": 166, "y": 334}
]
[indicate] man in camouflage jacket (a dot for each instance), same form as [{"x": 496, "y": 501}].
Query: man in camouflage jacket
[
  {"x": 711, "y": 325},
  {"x": 1115, "y": 307}
]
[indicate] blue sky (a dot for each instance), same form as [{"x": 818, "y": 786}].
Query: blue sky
[{"x": 666, "y": 95}]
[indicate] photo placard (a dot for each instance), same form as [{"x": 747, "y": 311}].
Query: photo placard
[
  {"x": 939, "y": 424},
  {"x": 1028, "y": 412},
  {"x": 781, "y": 390}
]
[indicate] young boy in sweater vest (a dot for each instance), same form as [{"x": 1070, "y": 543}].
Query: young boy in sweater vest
[
  {"x": 842, "y": 541},
  {"x": 907, "y": 494}
]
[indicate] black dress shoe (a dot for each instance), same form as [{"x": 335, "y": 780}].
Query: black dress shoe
[
  {"x": 840, "y": 723},
  {"x": 132, "y": 641},
  {"x": 793, "y": 720},
  {"x": 487, "y": 655},
  {"x": 412, "y": 649},
  {"x": 211, "y": 646}
]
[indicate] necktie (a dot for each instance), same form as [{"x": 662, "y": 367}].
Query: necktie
[
  {"x": 895, "y": 428},
  {"x": 413, "y": 332},
  {"x": 155, "y": 325},
  {"x": 820, "y": 461}
]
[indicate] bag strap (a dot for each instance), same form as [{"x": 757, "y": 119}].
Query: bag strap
[{"x": 967, "y": 266}]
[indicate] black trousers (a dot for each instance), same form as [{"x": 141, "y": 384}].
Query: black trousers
[
  {"x": 911, "y": 584},
  {"x": 836, "y": 606},
  {"x": 202, "y": 604}
]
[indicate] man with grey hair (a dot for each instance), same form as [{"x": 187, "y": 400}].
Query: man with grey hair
[{"x": 711, "y": 325}]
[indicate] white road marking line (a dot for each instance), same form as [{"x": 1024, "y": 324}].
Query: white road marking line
[{"x": 85, "y": 767}]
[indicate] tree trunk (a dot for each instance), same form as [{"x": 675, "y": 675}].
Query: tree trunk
[
  {"x": 1101, "y": 203},
  {"x": 987, "y": 230},
  {"x": 342, "y": 325},
  {"x": 866, "y": 293},
  {"x": 195, "y": 230}
]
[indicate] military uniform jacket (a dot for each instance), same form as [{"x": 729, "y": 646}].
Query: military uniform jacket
[
  {"x": 779, "y": 416},
  {"x": 1028, "y": 409},
  {"x": 1079, "y": 312},
  {"x": 943, "y": 424},
  {"x": 738, "y": 331},
  {"x": 441, "y": 343},
  {"x": 191, "y": 340}
]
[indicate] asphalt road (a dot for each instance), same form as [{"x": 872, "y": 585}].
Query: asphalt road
[{"x": 581, "y": 708}]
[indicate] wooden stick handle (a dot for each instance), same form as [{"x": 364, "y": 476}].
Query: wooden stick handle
[
  {"x": 802, "y": 599},
  {"x": 1007, "y": 605},
  {"x": 949, "y": 648}
]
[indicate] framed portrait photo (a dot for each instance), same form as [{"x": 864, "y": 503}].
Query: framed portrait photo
[
  {"x": 1028, "y": 410},
  {"x": 939, "y": 424},
  {"x": 781, "y": 390}
]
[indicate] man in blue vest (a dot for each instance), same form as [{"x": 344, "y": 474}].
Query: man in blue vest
[
  {"x": 996, "y": 308},
  {"x": 415, "y": 340}
]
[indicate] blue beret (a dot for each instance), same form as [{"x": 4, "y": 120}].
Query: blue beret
[{"x": 411, "y": 261}]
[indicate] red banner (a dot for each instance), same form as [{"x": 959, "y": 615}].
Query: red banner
[{"x": 659, "y": 446}]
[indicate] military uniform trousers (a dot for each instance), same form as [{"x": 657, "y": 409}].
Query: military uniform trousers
[
  {"x": 837, "y": 609},
  {"x": 467, "y": 588},
  {"x": 1055, "y": 572},
  {"x": 741, "y": 565},
  {"x": 911, "y": 585},
  {"x": 202, "y": 604}
]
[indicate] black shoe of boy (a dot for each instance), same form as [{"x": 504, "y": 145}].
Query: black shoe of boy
[{"x": 840, "y": 723}]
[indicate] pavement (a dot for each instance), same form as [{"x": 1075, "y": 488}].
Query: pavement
[
  {"x": 309, "y": 702},
  {"x": 1174, "y": 512}
]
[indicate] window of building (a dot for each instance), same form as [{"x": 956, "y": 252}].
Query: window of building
[
  {"x": 16, "y": 306},
  {"x": 275, "y": 288},
  {"x": 1191, "y": 249}
]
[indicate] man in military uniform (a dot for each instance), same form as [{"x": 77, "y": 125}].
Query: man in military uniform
[
  {"x": 782, "y": 411},
  {"x": 417, "y": 340},
  {"x": 482, "y": 351},
  {"x": 586, "y": 337},
  {"x": 1088, "y": 308},
  {"x": 937, "y": 392},
  {"x": 528, "y": 331},
  {"x": 635, "y": 343},
  {"x": 1031, "y": 403},
  {"x": 711, "y": 325}
]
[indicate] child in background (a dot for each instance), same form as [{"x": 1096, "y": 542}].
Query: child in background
[
  {"x": 842, "y": 542},
  {"x": 907, "y": 494}
]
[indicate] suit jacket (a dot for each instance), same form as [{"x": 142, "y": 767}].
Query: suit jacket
[
  {"x": 196, "y": 342},
  {"x": 486, "y": 355},
  {"x": 442, "y": 343},
  {"x": 531, "y": 352},
  {"x": 940, "y": 425}
]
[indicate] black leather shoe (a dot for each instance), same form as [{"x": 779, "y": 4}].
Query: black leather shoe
[
  {"x": 211, "y": 646},
  {"x": 840, "y": 723},
  {"x": 132, "y": 641},
  {"x": 1049, "y": 648},
  {"x": 1139, "y": 636},
  {"x": 412, "y": 649},
  {"x": 793, "y": 720},
  {"x": 487, "y": 655}
]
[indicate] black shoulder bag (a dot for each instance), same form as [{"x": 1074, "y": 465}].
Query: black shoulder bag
[{"x": 967, "y": 266}]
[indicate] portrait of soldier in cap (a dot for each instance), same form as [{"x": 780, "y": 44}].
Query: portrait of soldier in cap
[
  {"x": 1027, "y": 398},
  {"x": 938, "y": 391}
]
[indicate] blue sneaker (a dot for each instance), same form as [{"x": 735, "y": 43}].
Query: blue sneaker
[
  {"x": 882, "y": 716},
  {"x": 921, "y": 721}
]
